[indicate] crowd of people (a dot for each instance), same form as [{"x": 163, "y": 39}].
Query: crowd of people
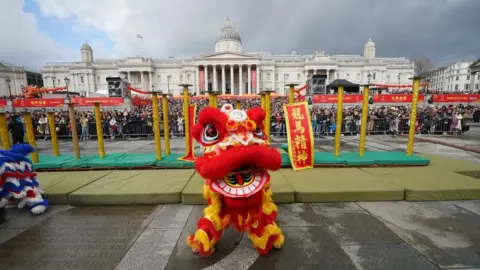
[{"x": 138, "y": 122}]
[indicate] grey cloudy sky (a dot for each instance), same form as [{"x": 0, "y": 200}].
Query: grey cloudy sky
[{"x": 443, "y": 30}]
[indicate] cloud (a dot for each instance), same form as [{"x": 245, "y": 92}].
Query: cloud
[{"x": 21, "y": 42}]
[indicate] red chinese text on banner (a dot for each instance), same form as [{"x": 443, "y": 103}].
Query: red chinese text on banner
[
  {"x": 104, "y": 101},
  {"x": 333, "y": 98},
  {"x": 396, "y": 98},
  {"x": 300, "y": 136},
  {"x": 192, "y": 114},
  {"x": 38, "y": 102},
  {"x": 466, "y": 98}
]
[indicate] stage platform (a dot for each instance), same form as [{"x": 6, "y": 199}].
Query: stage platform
[
  {"x": 148, "y": 161},
  {"x": 444, "y": 179}
]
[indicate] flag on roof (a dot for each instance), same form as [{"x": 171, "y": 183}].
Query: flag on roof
[{"x": 138, "y": 36}]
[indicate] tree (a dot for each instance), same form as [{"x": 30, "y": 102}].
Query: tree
[{"x": 422, "y": 65}]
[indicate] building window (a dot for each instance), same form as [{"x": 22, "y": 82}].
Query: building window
[
  {"x": 276, "y": 76},
  {"x": 98, "y": 79},
  {"x": 348, "y": 76},
  {"x": 138, "y": 79},
  {"x": 466, "y": 86},
  {"x": 457, "y": 78},
  {"x": 456, "y": 86},
  {"x": 374, "y": 75},
  {"x": 476, "y": 86},
  {"x": 159, "y": 78},
  {"x": 181, "y": 78},
  {"x": 81, "y": 79},
  {"x": 458, "y": 71},
  {"x": 358, "y": 76},
  {"x": 268, "y": 76},
  {"x": 468, "y": 77},
  {"x": 298, "y": 76},
  {"x": 188, "y": 76},
  {"x": 388, "y": 78}
]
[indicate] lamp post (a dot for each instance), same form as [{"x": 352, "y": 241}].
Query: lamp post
[
  {"x": 73, "y": 121},
  {"x": 369, "y": 76},
  {"x": 399, "y": 76},
  {"x": 53, "y": 80},
  {"x": 67, "y": 81},
  {"x": 9, "y": 86}
]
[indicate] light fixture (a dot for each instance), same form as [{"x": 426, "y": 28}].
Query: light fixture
[{"x": 66, "y": 79}]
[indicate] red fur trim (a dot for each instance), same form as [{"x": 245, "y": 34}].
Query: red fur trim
[
  {"x": 241, "y": 205},
  {"x": 257, "y": 114},
  {"x": 212, "y": 116},
  {"x": 268, "y": 247},
  {"x": 207, "y": 226},
  {"x": 257, "y": 156}
]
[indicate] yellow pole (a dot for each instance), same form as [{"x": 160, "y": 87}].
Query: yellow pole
[
  {"x": 262, "y": 101},
  {"x": 363, "y": 124},
  {"x": 413, "y": 116},
  {"x": 156, "y": 127},
  {"x": 186, "y": 103},
  {"x": 4, "y": 132},
  {"x": 99, "y": 126},
  {"x": 215, "y": 100},
  {"x": 211, "y": 101},
  {"x": 338, "y": 121},
  {"x": 166, "y": 127},
  {"x": 73, "y": 124},
  {"x": 31, "y": 135},
  {"x": 238, "y": 105},
  {"x": 268, "y": 113},
  {"x": 53, "y": 133},
  {"x": 291, "y": 94}
]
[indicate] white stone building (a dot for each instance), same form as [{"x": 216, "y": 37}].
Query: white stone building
[
  {"x": 12, "y": 79},
  {"x": 453, "y": 77},
  {"x": 228, "y": 69}
]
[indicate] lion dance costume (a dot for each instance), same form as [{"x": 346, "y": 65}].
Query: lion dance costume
[
  {"x": 18, "y": 183},
  {"x": 236, "y": 158}
]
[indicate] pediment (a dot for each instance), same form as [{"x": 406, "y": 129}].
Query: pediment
[{"x": 225, "y": 55}]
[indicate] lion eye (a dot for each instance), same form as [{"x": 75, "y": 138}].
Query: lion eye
[{"x": 210, "y": 134}]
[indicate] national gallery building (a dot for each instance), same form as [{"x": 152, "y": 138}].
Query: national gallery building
[{"x": 227, "y": 70}]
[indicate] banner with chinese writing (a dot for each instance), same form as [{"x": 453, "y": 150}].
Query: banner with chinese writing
[
  {"x": 465, "y": 98},
  {"x": 192, "y": 113},
  {"x": 333, "y": 98},
  {"x": 38, "y": 102},
  {"x": 396, "y": 98},
  {"x": 104, "y": 101},
  {"x": 300, "y": 136}
]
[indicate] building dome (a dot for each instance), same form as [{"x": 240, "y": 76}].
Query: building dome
[
  {"x": 86, "y": 47},
  {"x": 370, "y": 43},
  {"x": 229, "y": 33}
]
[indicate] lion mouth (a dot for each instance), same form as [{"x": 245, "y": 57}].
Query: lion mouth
[{"x": 240, "y": 184}]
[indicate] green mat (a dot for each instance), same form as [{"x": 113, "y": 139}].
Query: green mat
[
  {"x": 171, "y": 162},
  {"x": 136, "y": 160},
  {"x": 108, "y": 161},
  {"x": 51, "y": 162},
  {"x": 285, "y": 160},
  {"x": 82, "y": 162}
]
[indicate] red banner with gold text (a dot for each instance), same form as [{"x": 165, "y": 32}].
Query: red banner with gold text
[
  {"x": 38, "y": 102},
  {"x": 465, "y": 98},
  {"x": 192, "y": 114},
  {"x": 333, "y": 98},
  {"x": 300, "y": 136},
  {"x": 396, "y": 98},
  {"x": 104, "y": 101}
]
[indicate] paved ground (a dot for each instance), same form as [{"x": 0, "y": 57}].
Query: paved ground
[{"x": 381, "y": 235}]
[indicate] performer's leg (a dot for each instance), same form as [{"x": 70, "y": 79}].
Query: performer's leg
[
  {"x": 264, "y": 232},
  {"x": 210, "y": 226}
]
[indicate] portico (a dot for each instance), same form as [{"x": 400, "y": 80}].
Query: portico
[{"x": 234, "y": 78}]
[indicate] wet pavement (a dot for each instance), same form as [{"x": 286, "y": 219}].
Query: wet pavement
[{"x": 380, "y": 235}]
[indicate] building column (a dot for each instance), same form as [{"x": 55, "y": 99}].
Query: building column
[
  {"x": 232, "y": 82},
  {"x": 328, "y": 77},
  {"x": 94, "y": 82},
  {"x": 129, "y": 78},
  {"x": 88, "y": 84},
  {"x": 257, "y": 70},
  {"x": 206, "y": 78},
  {"x": 184, "y": 81},
  {"x": 142, "y": 84},
  {"x": 223, "y": 79},
  {"x": 197, "y": 86},
  {"x": 273, "y": 79},
  {"x": 150, "y": 81},
  {"x": 240, "y": 80},
  {"x": 472, "y": 80},
  {"x": 249, "y": 79},
  {"x": 215, "y": 79}
]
